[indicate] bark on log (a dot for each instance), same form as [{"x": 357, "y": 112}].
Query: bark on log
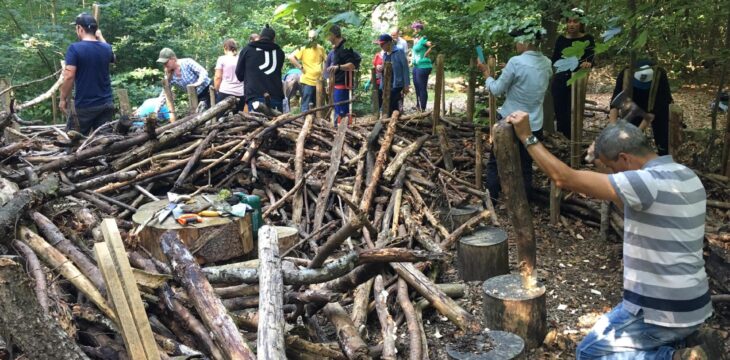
[
  {"x": 209, "y": 306},
  {"x": 464, "y": 229},
  {"x": 483, "y": 254},
  {"x": 193, "y": 160},
  {"x": 393, "y": 168},
  {"x": 22, "y": 201},
  {"x": 271, "y": 331},
  {"x": 510, "y": 175},
  {"x": 387, "y": 325},
  {"x": 38, "y": 335},
  {"x": 361, "y": 299},
  {"x": 444, "y": 304},
  {"x": 34, "y": 269},
  {"x": 54, "y": 236},
  {"x": 414, "y": 330},
  {"x": 445, "y": 147},
  {"x": 299, "y": 168},
  {"x": 369, "y": 193},
  {"x": 347, "y": 336},
  {"x": 60, "y": 263},
  {"x": 324, "y": 193}
]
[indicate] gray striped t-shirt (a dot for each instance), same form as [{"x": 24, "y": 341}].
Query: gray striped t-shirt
[{"x": 664, "y": 228}]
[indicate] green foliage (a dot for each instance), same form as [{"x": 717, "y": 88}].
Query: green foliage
[{"x": 34, "y": 34}]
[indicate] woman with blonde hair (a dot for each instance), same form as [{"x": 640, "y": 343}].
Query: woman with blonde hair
[{"x": 225, "y": 82}]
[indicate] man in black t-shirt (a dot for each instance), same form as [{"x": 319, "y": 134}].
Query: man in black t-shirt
[
  {"x": 87, "y": 68},
  {"x": 341, "y": 68}
]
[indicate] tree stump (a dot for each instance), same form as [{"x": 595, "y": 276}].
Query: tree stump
[
  {"x": 455, "y": 217},
  {"x": 214, "y": 239},
  {"x": 504, "y": 346},
  {"x": 288, "y": 237},
  {"x": 483, "y": 254},
  {"x": 508, "y": 306}
]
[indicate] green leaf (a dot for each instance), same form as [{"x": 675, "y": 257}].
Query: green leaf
[
  {"x": 578, "y": 75},
  {"x": 641, "y": 39},
  {"x": 348, "y": 17},
  {"x": 576, "y": 50}
]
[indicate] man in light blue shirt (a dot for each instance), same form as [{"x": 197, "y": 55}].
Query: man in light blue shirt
[{"x": 524, "y": 81}]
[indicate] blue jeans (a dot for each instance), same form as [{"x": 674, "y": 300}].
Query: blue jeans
[
  {"x": 620, "y": 335},
  {"x": 341, "y": 110},
  {"x": 309, "y": 94},
  {"x": 277, "y": 104},
  {"x": 420, "y": 84}
]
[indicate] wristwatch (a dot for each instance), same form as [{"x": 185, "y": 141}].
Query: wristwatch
[{"x": 531, "y": 140}]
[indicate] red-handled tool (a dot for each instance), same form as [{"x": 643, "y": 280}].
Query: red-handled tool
[{"x": 187, "y": 219}]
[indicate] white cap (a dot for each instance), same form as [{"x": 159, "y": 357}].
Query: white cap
[
  {"x": 644, "y": 74},
  {"x": 312, "y": 34}
]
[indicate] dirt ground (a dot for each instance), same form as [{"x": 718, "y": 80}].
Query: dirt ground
[{"x": 582, "y": 274}]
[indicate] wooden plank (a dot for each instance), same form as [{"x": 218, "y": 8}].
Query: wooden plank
[
  {"x": 119, "y": 254},
  {"x": 127, "y": 326}
]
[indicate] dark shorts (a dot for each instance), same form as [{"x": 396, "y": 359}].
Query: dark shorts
[{"x": 90, "y": 118}]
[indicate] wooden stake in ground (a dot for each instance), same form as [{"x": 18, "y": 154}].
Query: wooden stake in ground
[
  {"x": 436, "y": 114},
  {"x": 38, "y": 335},
  {"x": 445, "y": 148},
  {"x": 676, "y": 116},
  {"x": 374, "y": 96},
  {"x": 125, "y": 109},
  {"x": 324, "y": 193},
  {"x": 206, "y": 302},
  {"x": 492, "y": 64},
  {"x": 578, "y": 94},
  {"x": 192, "y": 98},
  {"x": 387, "y": 89},
  {"x": 726, "y": 149},
  {"x": 513, "y": 186},
  {"x": 271, "y": 330},
  {"x": 169, "y": 100}
]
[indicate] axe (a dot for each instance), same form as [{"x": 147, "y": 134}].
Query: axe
[{"x": 627, "y": 110}]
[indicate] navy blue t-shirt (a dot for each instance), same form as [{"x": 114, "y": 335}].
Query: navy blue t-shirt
[{"x": 93, "y": 83}]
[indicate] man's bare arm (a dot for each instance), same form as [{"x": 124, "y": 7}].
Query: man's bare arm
[
  {"x": 591, "y": 183},
  {"x": 69, "y": 75}
]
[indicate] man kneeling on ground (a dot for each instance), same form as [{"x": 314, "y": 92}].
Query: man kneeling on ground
[{"x": 666, "y": 293}]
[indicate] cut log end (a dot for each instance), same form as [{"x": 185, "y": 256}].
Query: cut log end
[
  {"x": 496, "y": 345},
  {"x": 483, "y": 254},
  {"x": 508, "y": 306}
]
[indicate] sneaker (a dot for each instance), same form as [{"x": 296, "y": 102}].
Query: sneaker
[
  {"x": 693, "y": 353},
  {"x": 710, "y": 341}
]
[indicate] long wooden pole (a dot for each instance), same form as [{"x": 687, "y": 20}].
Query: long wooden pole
[
  {"x": 387, "y": 88},
  {"x": 436, "y": 114},
  {"x": 510, "y": 175},
  {"x": 374, "y": 106},
  {"x": 169, "y": 100}
]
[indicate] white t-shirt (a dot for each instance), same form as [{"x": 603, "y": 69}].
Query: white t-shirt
[{"x": 229, "y": 83}]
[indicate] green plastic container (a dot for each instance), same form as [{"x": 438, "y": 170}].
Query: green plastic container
[{"x": 257, "y": 219}]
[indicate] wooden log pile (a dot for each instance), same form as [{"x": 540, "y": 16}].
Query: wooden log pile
[{"x": 366, "y": 201}]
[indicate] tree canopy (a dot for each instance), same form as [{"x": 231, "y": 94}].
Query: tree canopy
[{"x": 681, "y": 35}]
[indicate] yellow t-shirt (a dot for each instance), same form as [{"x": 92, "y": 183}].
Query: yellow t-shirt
[{"x": 311, "y": 59}]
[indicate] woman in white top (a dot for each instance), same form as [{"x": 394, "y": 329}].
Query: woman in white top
[{"x": 226, "y": 84}]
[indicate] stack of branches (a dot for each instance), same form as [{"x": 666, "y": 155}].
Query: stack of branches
[{"x": 366, "y": 200}]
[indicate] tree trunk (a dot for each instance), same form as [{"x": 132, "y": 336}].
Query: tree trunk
[{"x": 38, "y": 335}]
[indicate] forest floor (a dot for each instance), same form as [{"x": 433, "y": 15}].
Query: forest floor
[{"x": 582, "y": 274}]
